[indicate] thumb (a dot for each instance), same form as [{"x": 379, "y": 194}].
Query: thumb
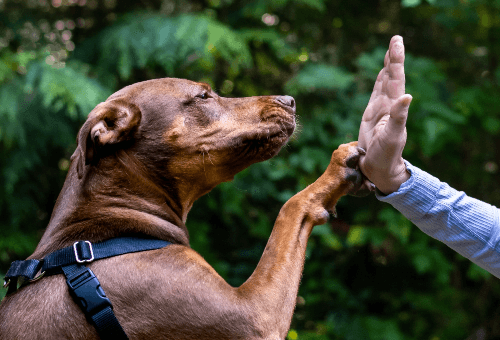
[{"x": 399, "y": 115}]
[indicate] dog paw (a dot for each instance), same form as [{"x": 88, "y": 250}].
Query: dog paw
[{"x": 347, "y": 156}]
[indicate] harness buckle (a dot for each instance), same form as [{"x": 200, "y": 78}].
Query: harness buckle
[
  {"x": 87, "y": 291},
  {"x": 42, "y": 274},
  {"x": 81, "y": 243}
]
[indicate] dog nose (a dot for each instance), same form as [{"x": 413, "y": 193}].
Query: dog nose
[{"x": 287, "y": 101}]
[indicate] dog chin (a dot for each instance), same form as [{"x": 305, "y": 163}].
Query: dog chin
[
  {"x": 256, "y": 147},
  {"x": 269, "y": 147}
]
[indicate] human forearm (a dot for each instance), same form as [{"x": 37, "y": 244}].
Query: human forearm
[{"x": 465, "y": 224}]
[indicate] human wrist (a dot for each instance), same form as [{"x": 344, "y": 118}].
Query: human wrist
[{"x": 391, "y": 183}]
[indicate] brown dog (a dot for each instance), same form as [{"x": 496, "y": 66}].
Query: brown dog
[{"x": 143, "y": 157}]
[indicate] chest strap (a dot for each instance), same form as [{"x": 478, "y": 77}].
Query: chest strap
[{"x": 83, "y": 285}]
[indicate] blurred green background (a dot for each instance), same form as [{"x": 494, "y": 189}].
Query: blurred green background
[{"x": 370, "y": 274}]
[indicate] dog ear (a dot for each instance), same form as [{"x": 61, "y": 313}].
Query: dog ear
[{"x": 108, "y": 123}]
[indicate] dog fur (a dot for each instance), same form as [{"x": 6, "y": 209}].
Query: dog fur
[{"x": 144, "y": 156}]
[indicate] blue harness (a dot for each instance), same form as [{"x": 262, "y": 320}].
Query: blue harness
[{"x": 83, "y": 285}]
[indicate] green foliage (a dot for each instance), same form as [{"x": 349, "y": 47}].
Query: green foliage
[
  {"x": 68, "y": 88},
  {"x": 148, "y": 41},
  {"x": 318, "y": 77},
  {"x": 370, "y": 274},
  {"x": 39, "y": 115},
  {"x": 413, "y": 3},
  {"x": 258, "y": 8}
]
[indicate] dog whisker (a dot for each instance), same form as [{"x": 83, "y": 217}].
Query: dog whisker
[
  {"x": 208, "y": 154},
  {"x": 204, "y": 168}
]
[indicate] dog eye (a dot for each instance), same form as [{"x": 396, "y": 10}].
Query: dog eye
[{"x": 204, "y": 95}]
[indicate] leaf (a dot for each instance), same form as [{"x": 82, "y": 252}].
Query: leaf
[
  {"x": 279, "y": 170},
  {"x": 410, "y": 3},
  {"x": 380, "y": 329},
  {"x": 434, "y": 128},
  {"x": 422, "y": 263},
  {"x": 281, "y": 49},
  {"x": 443, "y": 111},
  {"x": 328, "y": 238},
  {"x": 7, "y": 66},
  {"x": 261, "y": 227},
  {"x": 66, "y": 87},
  {"x": 228, "y": 43},
  {"x": 371, "y": 63},
  {"x": 292, "y": 335},
  {"x": 315, "y": 4},
  {"x": 477, "y": 273},
  {"x": 357, "y": 236},
  {"x": 491, "y": 124},
  {"x": 396, "y": 223},
  {"x": 319, "y": 76},
  {"x": 169, "y": 42}
]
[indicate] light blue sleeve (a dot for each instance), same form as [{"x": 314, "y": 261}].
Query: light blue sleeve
[{"x": 465, "y": 224}]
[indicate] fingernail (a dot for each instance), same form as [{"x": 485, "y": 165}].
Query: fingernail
[
  {"x": 398, "y": 45},
  {"x": 407, "y": 101}
]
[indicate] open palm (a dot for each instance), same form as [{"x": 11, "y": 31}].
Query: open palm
[{"x": 382, "y": 131}]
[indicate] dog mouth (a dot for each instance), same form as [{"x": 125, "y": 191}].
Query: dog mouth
[
  {"x": 284, "y": 125},
  {"x": 267, "y": 142}
]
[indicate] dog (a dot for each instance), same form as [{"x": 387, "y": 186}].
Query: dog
[{"x": 143, "y": 157}]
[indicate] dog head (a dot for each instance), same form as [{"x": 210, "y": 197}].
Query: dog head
[{"x": 180, "y": 130}]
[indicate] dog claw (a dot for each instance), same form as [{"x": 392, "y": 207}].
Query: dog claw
[
  {"x": 333, "y": 212},
  {"x": 353, "y": 161},
  {"x": 365, "y": 189},
  {"x": 361, "y": 185}
]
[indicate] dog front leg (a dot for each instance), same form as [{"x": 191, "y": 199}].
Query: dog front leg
[
  {"x": 274, "y": 284},
  {"x": 199, "y": 304}
]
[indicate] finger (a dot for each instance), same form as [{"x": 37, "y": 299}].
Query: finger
[
  {"x": 394, "y": 39},
  {"x": 395, "y": 70},
  {"x": 366, "y": 168},
  {"x": 377, "y": 88},
  {"x": 394, "y": 88},
  {"x": 385, "y": 82},
  {"x": 397, "y": 52},
  {"x": 398, "y": 115},
  {"x": 363, "y": 135}
]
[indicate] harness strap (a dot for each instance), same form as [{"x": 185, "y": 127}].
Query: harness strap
[
  {"x": 87, "y": 292},
  {"x": 84, "y": 251},
  {"x": 24, "y": 270},
  {"x": 83, "y": 285},
  {"x": 80, "y": 252}
]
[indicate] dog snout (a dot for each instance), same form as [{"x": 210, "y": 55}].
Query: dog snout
[{"x": 287, "y": 101}]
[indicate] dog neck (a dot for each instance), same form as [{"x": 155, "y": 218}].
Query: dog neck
[{"x": 114, "y": 198}]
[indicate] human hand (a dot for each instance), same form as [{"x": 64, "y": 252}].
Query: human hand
[{"x": 382, "y": 132}]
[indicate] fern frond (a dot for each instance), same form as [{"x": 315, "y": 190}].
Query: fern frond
[
  {"x": 170, "y": 43},
  {"x": 319, "y": 76}
]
